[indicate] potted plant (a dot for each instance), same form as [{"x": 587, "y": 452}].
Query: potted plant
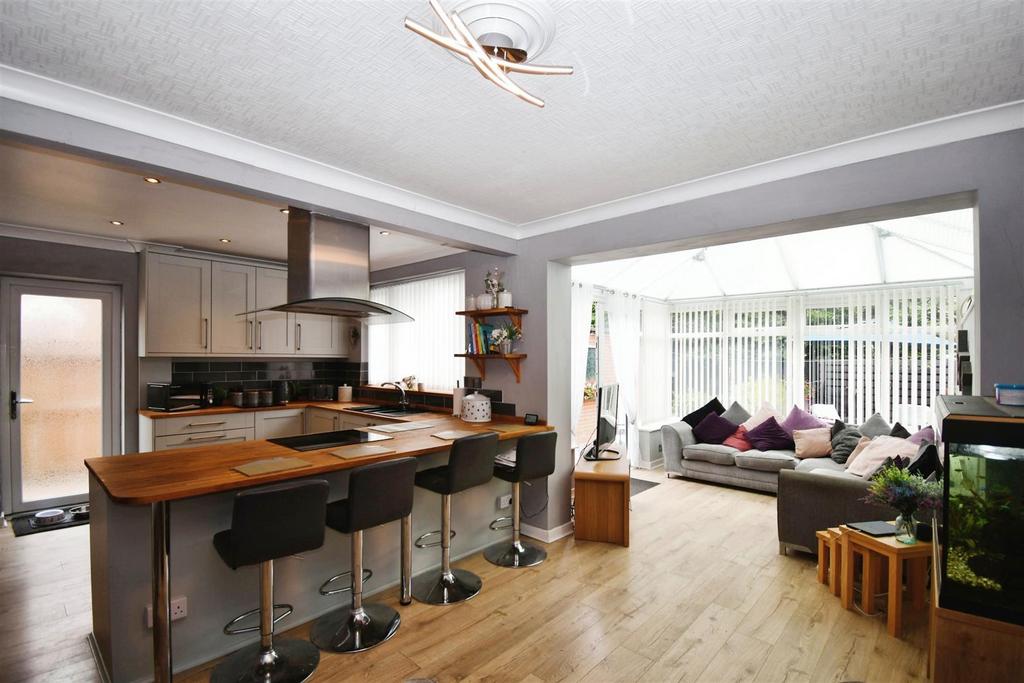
[
  {"x": 502, "y": 338},
  {"x": 895, "y": 487}
]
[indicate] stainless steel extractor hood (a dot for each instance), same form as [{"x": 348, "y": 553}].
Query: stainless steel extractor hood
[{"x": 329, "y": 270}]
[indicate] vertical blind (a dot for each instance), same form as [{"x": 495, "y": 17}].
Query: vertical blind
[
  {"x": 426, "y": 347},
  {"x": 885, "y": 350}
]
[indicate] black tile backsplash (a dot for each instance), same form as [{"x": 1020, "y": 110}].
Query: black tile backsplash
[
  {"x": 427, "y": 400},
  {"x": 248, "y": 375}
]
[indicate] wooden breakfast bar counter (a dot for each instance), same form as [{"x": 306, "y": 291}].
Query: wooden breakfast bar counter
[{"x": 123, "y": 486}]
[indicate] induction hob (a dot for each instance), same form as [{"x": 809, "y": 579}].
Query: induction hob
[{"x": 312, "y": 442}]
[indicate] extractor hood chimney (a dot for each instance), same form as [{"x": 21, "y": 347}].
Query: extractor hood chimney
[{"x": 329, "y": 269}]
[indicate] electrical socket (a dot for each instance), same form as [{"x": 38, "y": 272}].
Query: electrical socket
[
  {"x": 179, "y": 610},
  {"x": 505, "y": 501}
]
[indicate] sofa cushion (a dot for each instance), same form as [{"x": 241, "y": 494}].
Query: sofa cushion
[
  {"x": 800, "y": 419},
  {"x": 812, "y": 443},
  {"x": 844, "y": 440},
  {"x": 739, "y": 440},
  {"x": 709, "y": 452},
  {"x": 876, "y": 452},
  {"x": 861, "y": 445},
  {"x": 926, "y": 435},
  {"x": 818, "y": 464},
  {"x": 769, "y": 436},
  {"x": 875, "y": 426},
  {"x": 736, "y": 414},
  {"x": 927, "y": 462},
  {"x": 713, "y": 406},
  {"x": 767, "y": 461},
  {"x": 899, "y": 431},
  {"x": 762, "y": 414},
  {"x": 713, "y": 429}
]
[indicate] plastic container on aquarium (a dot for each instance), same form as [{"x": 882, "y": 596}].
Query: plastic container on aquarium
[{"x": 1010, "y": 394}]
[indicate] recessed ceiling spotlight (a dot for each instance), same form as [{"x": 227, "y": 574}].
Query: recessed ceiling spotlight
[
  {"x": 225, "y": 240},
  {"x": 151, "y": 180},
  {"x": 284, "y": 211},
  {"x": 117, "y": 223},
  {"x": 384, "y": 233}
]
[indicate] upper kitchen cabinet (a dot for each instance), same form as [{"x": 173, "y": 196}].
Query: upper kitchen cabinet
[
  {"x": 233, "y": 292},
  {"x": 274, "y": 330},
  {"x": 175, "y": 315},
  {"x": 190, "y": 306}
]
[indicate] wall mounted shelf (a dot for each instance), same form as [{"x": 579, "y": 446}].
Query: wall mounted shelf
[
  {"x": 516, "y": 314},
  {"x": 479, "y": 360}
]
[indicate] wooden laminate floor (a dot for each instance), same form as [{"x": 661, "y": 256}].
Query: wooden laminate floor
[{"x": 701, "y": 595}]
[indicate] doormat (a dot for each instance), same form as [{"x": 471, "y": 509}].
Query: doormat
[
  {"x": 639, "y": 486},
  {"x": 23, "y": 525}
]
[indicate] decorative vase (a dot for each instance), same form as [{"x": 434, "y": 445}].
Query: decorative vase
[
  {"x": 505, "y": 348},
  {"x": 505, "y": 299},
  {"x": 906, "y": 529},
  {"x": 484, "y": 301},
  {"x": 470, "y": 302}
]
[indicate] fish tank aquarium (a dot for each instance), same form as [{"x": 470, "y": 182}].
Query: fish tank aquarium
[{"x": 982, "y": 529}]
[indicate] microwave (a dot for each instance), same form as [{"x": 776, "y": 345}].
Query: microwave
[{"x": 168, "y": 397}]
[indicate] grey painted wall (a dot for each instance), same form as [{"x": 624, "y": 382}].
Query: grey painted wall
[{"x": 48, "y": 259}]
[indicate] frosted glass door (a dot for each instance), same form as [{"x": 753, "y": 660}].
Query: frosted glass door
[{"x": 60, "y": 393}]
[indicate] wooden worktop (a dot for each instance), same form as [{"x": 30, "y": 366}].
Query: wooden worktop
[{"x": 143, "y": 478}]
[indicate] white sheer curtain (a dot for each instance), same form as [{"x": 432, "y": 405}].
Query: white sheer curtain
[
  {"x": 579, "y": 337},
  {"x": 655, "y": 365},
  {"x": 624, "y": 336},
  {"x": 426, "y": 347}
]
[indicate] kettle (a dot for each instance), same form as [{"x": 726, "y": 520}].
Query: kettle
[{"x": 476, "y": 408}]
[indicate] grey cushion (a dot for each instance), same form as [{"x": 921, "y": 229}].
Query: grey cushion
[
  {"x": 766, "y": 461},
  {"x": 815, "y": 464},
  {"x": 708, "y": 452},
  {"x": 736, "y": 414},
  {"x": 875, "y": 426},
  {"x": 844, "y": 442}
]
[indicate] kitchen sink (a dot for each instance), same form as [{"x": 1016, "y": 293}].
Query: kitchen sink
[{"x": 387, "y": 411}]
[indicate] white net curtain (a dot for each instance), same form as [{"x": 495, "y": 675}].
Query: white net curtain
[{"x": 862, "y": 317}]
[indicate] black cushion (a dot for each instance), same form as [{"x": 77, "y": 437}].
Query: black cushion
[
  {"x": 506, "y": 473},
  {"x": 470, "y": 463},
  {"x": 927, "y": 461},
  {"x": 844, "y": 440},
  {"x": 899, "y": 431},
  {"x": 275, "y": 521},
  {"x": 713, "y": 406},
  {"x": 377, "y": 494}
]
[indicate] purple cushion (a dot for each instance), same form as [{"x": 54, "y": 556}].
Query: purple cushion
[
  {"x": 800, "y": 419},
  {"x": 926, "y": 435},
  {"x": 713, "y": 429},
  {"x": 770, "y": 436}
]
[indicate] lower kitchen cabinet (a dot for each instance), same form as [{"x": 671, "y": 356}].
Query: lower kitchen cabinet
[
  {"x": 163, "y": 443},
  {"x": 322, "y": 420},
  {"x": 275, "y": 424}
]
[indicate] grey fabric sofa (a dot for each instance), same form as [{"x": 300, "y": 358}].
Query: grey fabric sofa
[{"x": 813, "y": 494}]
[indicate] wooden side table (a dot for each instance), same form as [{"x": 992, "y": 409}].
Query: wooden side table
[
  {"x": 830, "y": 558},
  {"x": 874, "y": 549},
  {"x": 602, "y": 500}
]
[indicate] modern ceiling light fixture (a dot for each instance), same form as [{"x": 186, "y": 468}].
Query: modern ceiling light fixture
[
  {"x": 151, "y": 180},
  {"x": 497, "y": 38},
  {"x": 117, "y": 223}
]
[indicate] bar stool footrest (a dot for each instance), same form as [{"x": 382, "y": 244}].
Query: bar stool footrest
[
  {"x": 229, "y": 631},
  {"x": 434, "y": 544},
  {"x": 367, "y": 574},
  {"x": 499, "y": 524}
]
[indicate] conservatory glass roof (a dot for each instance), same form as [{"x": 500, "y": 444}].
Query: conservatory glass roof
[{"x": 935, "y": 246}]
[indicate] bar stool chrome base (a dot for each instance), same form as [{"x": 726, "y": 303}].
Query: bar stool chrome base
[
  {"x": 355, "y": 630},
  {"x": 446, "y": 588},
  {"x": 516, "y": 554},
  {"x": 288, "y": 661}
]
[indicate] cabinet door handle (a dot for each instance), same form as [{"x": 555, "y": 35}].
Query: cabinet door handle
[
  {"x": 252, "y": 334},
  {"x": 298, "y": 336},
  {"x": 206, "y": 333},
  {"x": 259, "y": 335},
  {"x": 206, "y": 438},
  {"x": 205, "y": 424}
]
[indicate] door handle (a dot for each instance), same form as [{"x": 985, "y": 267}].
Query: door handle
[
  {"x": 206, "y": 438},
  {"x": 206, "y": 333},
  {"x": 259, "y": 335},
  {"x": 252, "y": 333},
  {"x": 298, "y": 336},
  {"x": 15, "y": 402},
  {"x": 206, "y": 424}
]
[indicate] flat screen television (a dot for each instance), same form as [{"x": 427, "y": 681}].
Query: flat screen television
[{"x": 607, "y": 425}]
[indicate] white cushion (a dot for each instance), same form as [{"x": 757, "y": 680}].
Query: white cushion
[
  {"x": 762, "y": 414},
  {"x": 880, "y": 448}
]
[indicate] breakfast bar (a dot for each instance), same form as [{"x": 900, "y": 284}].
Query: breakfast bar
[{"x": 202, "y": 481}]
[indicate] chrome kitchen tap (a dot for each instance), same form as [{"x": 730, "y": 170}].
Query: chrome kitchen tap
[{"x": 404, "y": 401}]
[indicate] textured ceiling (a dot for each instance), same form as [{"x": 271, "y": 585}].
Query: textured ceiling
[
  {"x": 57, "y": 191},
  {"x": 664, "y": 92}
]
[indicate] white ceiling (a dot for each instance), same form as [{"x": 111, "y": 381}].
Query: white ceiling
[
  {"x": 933, "y": 246},
  {"x": 57, "y": 191},
  {"x": 665, "y": 92}
]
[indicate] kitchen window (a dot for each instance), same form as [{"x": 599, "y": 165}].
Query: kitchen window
[{"x": 426, "y": 347}]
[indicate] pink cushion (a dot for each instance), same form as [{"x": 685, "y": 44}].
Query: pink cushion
[
  {"x": 799, "y": 418},
  {"x": 861, "y": 445},
  {"x": 926, "y": 435},
  {"x": 762, "y": 414},
  {"x": 880, "y": 448},
  {"x": 812, "y": 443},
  {"x": 739, "y": 440}
]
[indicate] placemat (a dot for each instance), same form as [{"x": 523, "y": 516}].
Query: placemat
[
  {"x": 360, "y": 450},
  {"x": 278, "y": 464},
  {"x": 452, "y": 434}
]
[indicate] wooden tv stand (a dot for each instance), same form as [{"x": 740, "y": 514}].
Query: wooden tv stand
[{"x": 602, "y": 500}]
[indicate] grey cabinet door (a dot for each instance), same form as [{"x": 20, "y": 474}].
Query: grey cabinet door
[
  {"x": 274, "y": 331},
  {"x": 177, "y": 305},
  {"x": 317, "y": 335},
  {"x": 233, "y": 292}
]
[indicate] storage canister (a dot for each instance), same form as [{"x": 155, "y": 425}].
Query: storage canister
[{"x": 476, "y": 408}]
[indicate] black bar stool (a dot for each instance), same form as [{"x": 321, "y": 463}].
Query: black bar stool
[
  {"x": 470, "y": 464},
  {"x": 535, "y": 458},
  {"x": 377, "y": 494},
  {"x": 268, "y": 523}
]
